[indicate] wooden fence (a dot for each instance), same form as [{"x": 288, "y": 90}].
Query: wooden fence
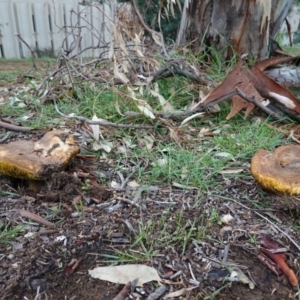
[
  {"x": 294, "y": 20},
  {"x": 48, "y": 26}
]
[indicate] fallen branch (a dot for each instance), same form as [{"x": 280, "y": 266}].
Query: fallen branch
[
  {"x": 238, "y": 92},
  {"x": 291, "y": 136},
  {"x": 258, "y": 104},
  {"x": 15, "y": 127},
  {"x": 191, "y": 76},
  {"x": 57, "y": 70},
  {"x": 31, "y": 51},
  {"x": 102, "y": 123}
]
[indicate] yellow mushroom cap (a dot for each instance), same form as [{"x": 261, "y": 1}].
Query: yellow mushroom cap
[
  {"x": 278, "y": 171},
  {"x": 38, "y": 160}
]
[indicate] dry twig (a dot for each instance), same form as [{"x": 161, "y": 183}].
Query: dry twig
[
  {"x": 27, "y": 214},
  {"x": 102, "y": 123},
  {"x": 269, "y": 221},
  {"x": 31, "y": 51},
  {"x": 157, "y": 293},
  {"x": 15, "y": 127},
  {"x": 155, "y": 35}
]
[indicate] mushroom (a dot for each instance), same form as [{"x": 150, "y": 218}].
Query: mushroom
[
  {"x": 278, "y": 171},
  {"x": 38, "y": 160}
]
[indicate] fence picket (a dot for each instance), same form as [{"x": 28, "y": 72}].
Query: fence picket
[
  {"x": 42, "y": 28},
  {"x": 47, "y": 27},
  {"x": 9, "y": 46}
]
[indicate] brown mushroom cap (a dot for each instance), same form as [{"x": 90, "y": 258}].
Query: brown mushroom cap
[
  {"x": 38, "y": 160},
  {"x": 278, "y": 171}
]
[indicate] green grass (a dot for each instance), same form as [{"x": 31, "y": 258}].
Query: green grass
[
  {"x": 295, "y": 50},
  {"x": 197, "y": 163},
  {"x": 156, "y": 235},
  {"x": 11, "y": 69},
  {"x": 217, "y": 292},
  {"x": 7, "y": 233},
  {"x": 234, "y": 146}
]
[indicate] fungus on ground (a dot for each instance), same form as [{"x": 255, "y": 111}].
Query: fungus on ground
[
  {"x": 38, "y": 160},
  {"x": 278, "y": 171}
]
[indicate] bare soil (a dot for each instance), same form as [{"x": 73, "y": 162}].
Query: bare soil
[{"x": 39, "y": 255}]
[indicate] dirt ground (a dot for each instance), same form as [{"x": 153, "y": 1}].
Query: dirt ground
[
  {"x": 22, "y": 69},
  {"x": 39, "y": 255},
  {"x": 94, "y": 222}
]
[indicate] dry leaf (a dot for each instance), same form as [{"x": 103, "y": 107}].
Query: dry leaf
[
  {"x": 128, "y": 142},
  {"x": 117, "y": 107},
  {"x": 238, "y": 275},
  {"x": 147, "y": 142},
  {"x": 254, "y": 83},
  {"x": 96, "y": 128},
  {"x": 232, "y": 171},
  {"x": 133, "y": 184},
  {"x": 106, "y": 146},
  {"x": 179, "y": 292},
  {"x": 184, "y": 172},
  {"x": 166, "y": 106},
  {"x": 122, "y": 150},
  {"x": 237, "y": 78},
  {"x": 124, "y": 274},
  {"x": 111, "y": 52},
  {"x": 200, "y": 114},
  {"x": 142, "y": 105},
  {"x": 118, "y": 74},
  {"x": 160, "y": 162},
  {"x": 226, "y": 219},
  {"x": 184, "y": 187},
  {"x": 224, "y": 154},
  {"x": 145, "y": 109},
  {"x": 157, "y": 38},
  {"x": 115, "y": 185},
  {"x": 119, "y": 39}
]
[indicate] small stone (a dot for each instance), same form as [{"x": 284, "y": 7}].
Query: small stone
[{"x": 10, "y": 256}]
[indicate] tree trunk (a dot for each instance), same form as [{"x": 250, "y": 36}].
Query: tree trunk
[
  {"x": 288, "y": 77},
  {"x": 233, "y": 26}
]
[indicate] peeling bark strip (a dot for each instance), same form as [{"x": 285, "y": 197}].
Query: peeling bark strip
[
  {"x": 234, "y": 25},
  {"x": 285, "y": 76},
  {"x": 270, "y": 89},
  {"x": 248, "y": 87}
]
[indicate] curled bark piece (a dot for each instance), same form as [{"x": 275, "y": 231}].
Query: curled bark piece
[
  {"x": 27, "y": 214},
  {"x": 279, "y": 258},
  {"x": 124, "y": 292}
]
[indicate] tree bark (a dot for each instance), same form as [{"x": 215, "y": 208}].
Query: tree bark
[
  {"x": 233, "y": 26},
  {"x": 288, "y": 77}
]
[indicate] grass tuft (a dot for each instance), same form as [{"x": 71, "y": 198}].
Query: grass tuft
[{"x": 7, "y": 233}]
